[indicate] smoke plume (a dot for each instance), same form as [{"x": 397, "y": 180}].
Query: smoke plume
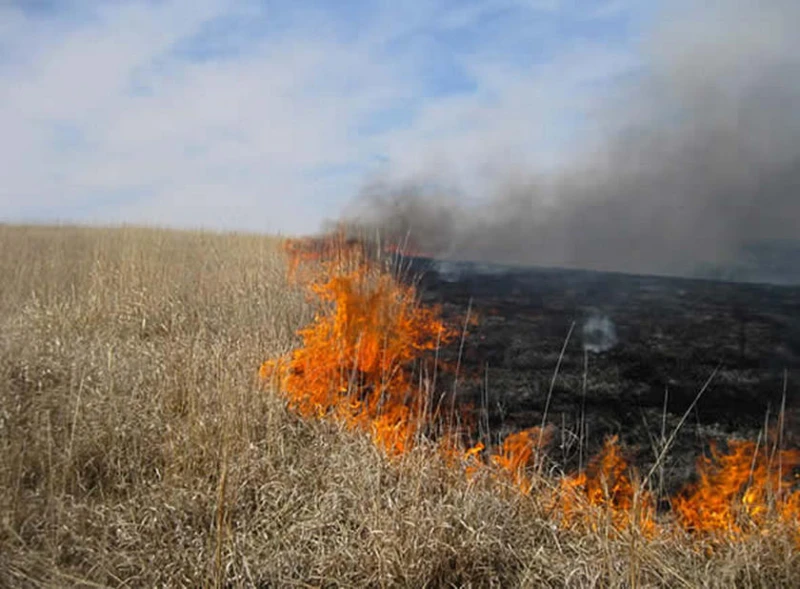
[{"x": 700, "y": 157}]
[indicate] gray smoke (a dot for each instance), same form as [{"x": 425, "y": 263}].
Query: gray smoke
[
  {"x": 701, "y": 157},
  {"x": 599, "y": 334}
]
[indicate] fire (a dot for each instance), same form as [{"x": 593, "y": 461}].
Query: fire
[
  {"x": 520, "y": 452},
  {"x": 741, "y": 491},
  {"x": 359, "y": 353},
  {"x": 363, "y": 361},
  {"x": 606, "y": 484}
]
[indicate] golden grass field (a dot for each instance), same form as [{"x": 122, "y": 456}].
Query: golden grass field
[{"x": 140, "y": 449}]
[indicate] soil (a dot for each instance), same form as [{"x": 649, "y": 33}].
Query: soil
[{"x": 637, "y": 351}]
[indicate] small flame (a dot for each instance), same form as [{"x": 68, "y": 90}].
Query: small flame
[
  {"x": 522, "y": 451},
  {"x": 606, "y": 484},
  {"x": 741, "y": 491}
]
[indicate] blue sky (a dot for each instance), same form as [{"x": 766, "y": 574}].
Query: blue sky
[{"x": 270, "y": 116}]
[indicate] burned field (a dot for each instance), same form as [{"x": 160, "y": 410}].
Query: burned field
[
  {"x": 385, "y": 360},
  {"x": 640, "y": 350}
]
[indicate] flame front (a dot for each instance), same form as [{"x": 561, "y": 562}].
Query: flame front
[{"x": 362, "y": 361}]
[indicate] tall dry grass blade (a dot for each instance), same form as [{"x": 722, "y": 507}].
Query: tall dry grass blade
[
  {"x": 682, "y": 420},
  {"x": 220, "y": 521},
  {"x": 550, "y": 393},
  {"x": 582, "y": 419}
]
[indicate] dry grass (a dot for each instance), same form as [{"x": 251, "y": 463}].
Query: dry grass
[{"x": 138, "y": 449}]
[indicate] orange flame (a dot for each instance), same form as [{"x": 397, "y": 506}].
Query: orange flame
[
  {"x": 359, "y": 352},
  {"x": 357, "y": 364},
  {"x": 607, "y": 485},
  {"x": 520, "y": 452},
  {"x": 741, "y": 491}
]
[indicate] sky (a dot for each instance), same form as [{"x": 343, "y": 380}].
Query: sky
[{"x": 269, "y": 116}]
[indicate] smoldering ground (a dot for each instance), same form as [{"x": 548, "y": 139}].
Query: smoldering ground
[{"x": 697, "y": 158}]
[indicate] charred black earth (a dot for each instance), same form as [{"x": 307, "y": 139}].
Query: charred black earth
[{"x": 636, "y": 343}]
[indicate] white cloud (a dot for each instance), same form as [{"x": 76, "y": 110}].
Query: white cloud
[{"x": 103, "y": 122}]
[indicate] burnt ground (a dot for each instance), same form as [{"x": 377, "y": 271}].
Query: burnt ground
[{"x": 636, "y": 339}]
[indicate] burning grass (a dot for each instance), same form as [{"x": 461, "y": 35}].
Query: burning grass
[
  {"x": 608, "y": 491},
  {"x": 362, "y": 349},
  {"x": 361, "y": 362},
  {"x": 744, "y": 491},
  {"x": 139, "y": 449}
]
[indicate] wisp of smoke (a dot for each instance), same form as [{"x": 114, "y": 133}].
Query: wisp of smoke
[
  {"x": 699, "y": 159},
  {"x": 599, "y": 334}
]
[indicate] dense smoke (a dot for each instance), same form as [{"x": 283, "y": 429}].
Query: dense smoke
[{"x": 700, "y": 157}]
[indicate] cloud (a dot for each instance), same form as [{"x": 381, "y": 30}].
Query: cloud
[{"x": 269, "y": 117}]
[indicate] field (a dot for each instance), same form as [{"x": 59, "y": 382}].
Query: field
[
  {"x": 666, "y": 338},
  {"x": 140, "y": 448}
]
